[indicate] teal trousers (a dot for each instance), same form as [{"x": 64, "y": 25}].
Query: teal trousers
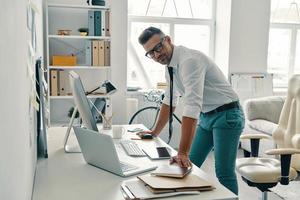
[{"x": 219, "y": 131}]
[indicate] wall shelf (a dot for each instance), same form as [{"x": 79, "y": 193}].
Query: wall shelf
[
  {"x": 79, "y": 37},
  {"x": 80, "y": 67},
  {"x": 89, "y": 96},
  {"x": 78, "y": 6}
]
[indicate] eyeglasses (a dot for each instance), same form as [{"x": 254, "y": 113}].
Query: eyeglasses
[{"x": 157, "y": 48}]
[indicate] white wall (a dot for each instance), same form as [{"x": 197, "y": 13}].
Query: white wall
[
  {"x": 222, "y": 40},
  {"x": 249, "y": 35},
  {"x": 119, "y": 58},
  {"x": 17, "y": 135},
  {"x": 242, "y": 34}
]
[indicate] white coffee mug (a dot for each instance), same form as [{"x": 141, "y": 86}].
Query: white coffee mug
[{"x": 117, "y": 131}]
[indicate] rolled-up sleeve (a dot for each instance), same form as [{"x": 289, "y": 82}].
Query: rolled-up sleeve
[
  {"x": 166, "y": 99},
  {"x": 193, "y": 76}
]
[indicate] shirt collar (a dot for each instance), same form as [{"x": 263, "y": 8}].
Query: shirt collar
[{"x": 174, "y": 59}]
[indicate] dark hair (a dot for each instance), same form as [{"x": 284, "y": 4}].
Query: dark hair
[{"x": 148, "y": 33}]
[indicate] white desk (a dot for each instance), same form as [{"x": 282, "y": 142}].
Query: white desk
[{"x": 67, "y": 176}]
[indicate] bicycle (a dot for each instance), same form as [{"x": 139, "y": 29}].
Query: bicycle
[{"x": 149, "y": 114}]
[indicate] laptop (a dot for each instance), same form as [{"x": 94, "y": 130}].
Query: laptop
[{"x": 99, "y": 150}]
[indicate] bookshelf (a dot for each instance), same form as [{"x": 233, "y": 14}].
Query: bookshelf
[{"x": 72, "y": 17}]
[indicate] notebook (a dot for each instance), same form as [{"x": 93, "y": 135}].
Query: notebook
[{"x": 172, "y": 171}]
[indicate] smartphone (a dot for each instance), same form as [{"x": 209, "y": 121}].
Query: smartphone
[
  {"x": 157, "y": 153},
  {"x": 163, "y": 152}
]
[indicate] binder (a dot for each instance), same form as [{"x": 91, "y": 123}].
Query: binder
[
  {"x": 64, "y": 86},
  {"x": 101, "y": 53},
  {"x": 95, "y": 54},
  {"x": 107, "y": 53},
  {"x": 88, "y": 53},
  {"x": 91, "y": 22},
  {"x": 54, "y": 84},
  {"x": 97, "y": 24},
  {"x": 103, "y": 22},
  {"x": 107, "y": 23}
]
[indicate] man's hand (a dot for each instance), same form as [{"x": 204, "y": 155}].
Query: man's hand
[
  {"x": 182, "y": 160},
  {"x": 154, "y": 134}
]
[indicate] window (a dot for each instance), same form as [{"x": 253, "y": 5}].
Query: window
[
  {"x": 284, "y": 42},
  {"x": 175, "y": 18}
]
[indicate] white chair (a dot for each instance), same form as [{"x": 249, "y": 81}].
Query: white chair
[{"x": 265, "y": 173}]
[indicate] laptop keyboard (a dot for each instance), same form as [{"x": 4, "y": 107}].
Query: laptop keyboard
[
  {"x": 132, "y": 149},
  {"x": 126, "y": 167}
]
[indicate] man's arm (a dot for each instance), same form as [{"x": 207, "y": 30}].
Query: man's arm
[
  {"x": 188, "y": 128},
  {"x": 163, "y": 118}
]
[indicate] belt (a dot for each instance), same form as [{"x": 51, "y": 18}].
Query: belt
[{"x": 224, "y": 107}]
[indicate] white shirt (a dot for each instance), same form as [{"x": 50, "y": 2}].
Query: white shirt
[{"x": 199, "y": 80}]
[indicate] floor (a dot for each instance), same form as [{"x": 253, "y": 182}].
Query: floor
[{"x": 245, "y": 192}]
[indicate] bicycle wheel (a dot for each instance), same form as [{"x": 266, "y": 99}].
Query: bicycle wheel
[{"x": 146, "y": 116}]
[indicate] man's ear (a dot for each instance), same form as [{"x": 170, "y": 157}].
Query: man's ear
[{"x": 168, "y": 39}]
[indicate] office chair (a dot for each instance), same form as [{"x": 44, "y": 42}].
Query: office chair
[{"x": 265, "y": 173}]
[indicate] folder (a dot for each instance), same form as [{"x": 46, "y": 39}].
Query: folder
[
  {"x": 136, "y": 190},
  {"x": 172, "y": 171},
  {"x": 54, "y": 84},
  {"x": 91, "y": 22},
  {"x": 95, "y": 53},
  {"x": 97, "y": 23},
  {"x": 191, "y": 182},
  {"x": 101, "y": 53},
  {"x": 88, "y": 53},
  {"x": 107, "y": 53}
]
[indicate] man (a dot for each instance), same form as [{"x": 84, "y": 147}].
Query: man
[{"x": 207, "y": 97}]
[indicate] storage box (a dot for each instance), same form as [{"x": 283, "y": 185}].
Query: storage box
[{"x": 64, "y": 60}]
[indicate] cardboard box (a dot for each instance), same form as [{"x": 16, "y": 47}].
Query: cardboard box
[{"x": 64, "y": 60}]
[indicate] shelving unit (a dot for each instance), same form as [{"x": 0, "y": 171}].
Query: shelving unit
[{"x": 71, "y": 17}]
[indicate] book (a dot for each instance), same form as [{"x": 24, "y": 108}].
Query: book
[{"x": 172, "y": 171}]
